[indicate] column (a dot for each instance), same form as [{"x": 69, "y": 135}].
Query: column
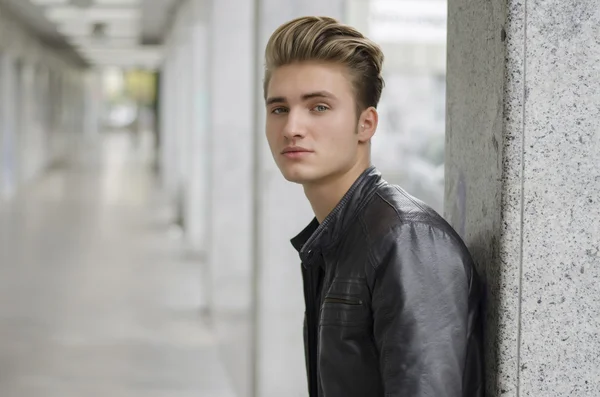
[
  {"x": 7, "y": 126},
  {"x": 523, "y": 185},
  {"x": 93, "y": 100},
  {"x": 168, "y": 153},
  {"x": 230, "y": 152},
  {"x": 192, "y": 124},
  {"x": 182, "y": 83},
  {"x": 176, "y": 79},
  {"x": 197, "y": 147},
  {"x": 25, "y": 134}
]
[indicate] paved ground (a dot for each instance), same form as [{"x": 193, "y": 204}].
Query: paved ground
[{"x": 96, "y": 298}]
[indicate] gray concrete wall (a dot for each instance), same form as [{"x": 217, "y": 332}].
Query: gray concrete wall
[
  {"x": 29, "y": 142},
  {"x": 232, "y": 139},
  {"x": 523, "y": 184}
]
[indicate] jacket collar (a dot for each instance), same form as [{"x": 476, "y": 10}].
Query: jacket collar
[{"x": 318, "y": 237}]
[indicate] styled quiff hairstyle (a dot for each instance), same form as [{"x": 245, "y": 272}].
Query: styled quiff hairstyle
[{"x": 323, "y": 39}]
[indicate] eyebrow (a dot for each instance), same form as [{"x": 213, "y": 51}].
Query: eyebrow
[{"x": 305, "y": 97}]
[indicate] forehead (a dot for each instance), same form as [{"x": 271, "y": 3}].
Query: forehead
[{"x": 296, "y": 79}]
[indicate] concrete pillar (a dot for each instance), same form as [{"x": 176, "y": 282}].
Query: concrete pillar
[
  {"x": 7, "y": 126},
  {"x": 523, "y": 184},
  {"x": 191, "y": 80},
  {"x": 231, "y": 143},
  {"x": 55, "y": 134},
  {"x": 182, "y": 83},
  {"x": 198, "y": 167},
  {"x": 43, "y": 114},
  {"x": 281, "y": 212},
  {"x": 25, "y": 135},
  {"x": 176, "y": 93},
  {"x": 168, "y": 149},
  {"x": 230, "y": 156},
  {"x": 65, "y": 142},
  {"x": 92, "y": 103},
  {"x": 36, "y": 150}
]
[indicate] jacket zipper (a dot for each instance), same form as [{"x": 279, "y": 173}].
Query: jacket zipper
[
  {"x": 312, "y": 335},
  {"x": 345, "y": 301}
]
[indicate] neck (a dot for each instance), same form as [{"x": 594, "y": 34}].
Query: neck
[{"x": 325, "y": 195}]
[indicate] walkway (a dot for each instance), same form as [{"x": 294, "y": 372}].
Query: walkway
[{"x": 96, "y": 298}]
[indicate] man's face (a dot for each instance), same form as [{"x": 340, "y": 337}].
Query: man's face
[{"x": 311, "y": 121}]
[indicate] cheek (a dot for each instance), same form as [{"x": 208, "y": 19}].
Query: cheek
[
  {"x": 271, "y": 132},
  {"x": 273, "y": 141},
  {"x": 340, "y": 137}
]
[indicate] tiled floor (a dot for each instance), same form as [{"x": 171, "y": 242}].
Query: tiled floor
[{"x": 96, "y": 297}]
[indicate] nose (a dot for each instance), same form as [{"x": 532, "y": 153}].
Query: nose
[{"x": 294, "y": 126}]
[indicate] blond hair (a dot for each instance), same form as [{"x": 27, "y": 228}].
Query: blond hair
[{"x": 324, "y": 39}]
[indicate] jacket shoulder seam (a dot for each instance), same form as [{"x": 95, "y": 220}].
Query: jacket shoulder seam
[
  {"x": 412, "y": 200},
  {"x": 430, "y": 222}
]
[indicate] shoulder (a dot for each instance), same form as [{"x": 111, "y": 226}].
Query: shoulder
[
  {"x": 397, "y": 224},
  {"x": 391, "y": 208}
]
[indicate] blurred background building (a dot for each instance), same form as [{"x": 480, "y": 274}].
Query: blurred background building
[{"x": 144, "y": 228}]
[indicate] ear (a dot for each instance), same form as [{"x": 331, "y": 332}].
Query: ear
[{"x": 367, "y": 124}]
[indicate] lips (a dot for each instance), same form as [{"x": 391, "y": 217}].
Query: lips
[{"x": 295, "y": 149}]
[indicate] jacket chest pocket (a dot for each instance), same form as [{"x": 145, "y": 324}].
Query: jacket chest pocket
[
  {"x": 344, "y": 305},
  {"x": 351, "y": 301}
]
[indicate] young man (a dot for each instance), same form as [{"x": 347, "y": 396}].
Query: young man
[{"x": 392, "y": 296}]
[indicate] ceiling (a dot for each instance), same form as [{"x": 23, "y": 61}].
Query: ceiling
[{"x": 126, "y": 33}]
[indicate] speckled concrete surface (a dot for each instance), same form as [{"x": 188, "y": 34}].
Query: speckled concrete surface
[
  {"x": 533, "y": 223},
  {"x": 560, "y": 346}
]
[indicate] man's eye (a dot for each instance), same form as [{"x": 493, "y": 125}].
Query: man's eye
[
  {"x": 321, "y": 108},
  {"x": 278, "y": 110}
]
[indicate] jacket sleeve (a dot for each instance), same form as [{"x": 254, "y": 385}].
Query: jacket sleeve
[{"x": 420, "y": 312}]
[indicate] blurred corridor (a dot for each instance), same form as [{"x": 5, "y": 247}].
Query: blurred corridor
[{"x": 94, "y": 299}]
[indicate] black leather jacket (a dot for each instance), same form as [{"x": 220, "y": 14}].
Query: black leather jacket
[{"x": 392, "y": 299}]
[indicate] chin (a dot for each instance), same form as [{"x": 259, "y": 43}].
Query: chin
[
  {"x": 300, "y": 176},
  {"x": 296, "y": 177}
]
